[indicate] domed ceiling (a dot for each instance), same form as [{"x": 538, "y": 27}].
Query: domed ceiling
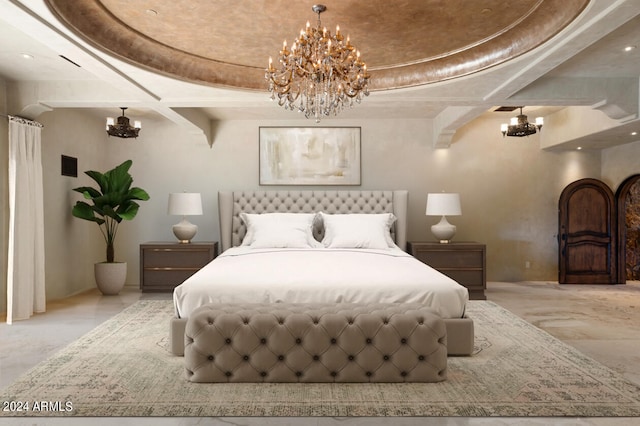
[{"x": 404, "y": 43}]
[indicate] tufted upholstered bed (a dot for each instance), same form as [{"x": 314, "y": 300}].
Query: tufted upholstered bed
[{"x": 232, "y": 205}]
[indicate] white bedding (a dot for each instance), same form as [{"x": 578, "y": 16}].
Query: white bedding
[{"x": 249, "y": 275}]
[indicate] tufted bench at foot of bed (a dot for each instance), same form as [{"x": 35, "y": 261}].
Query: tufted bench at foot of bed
[{"x": 315, "y": 343}]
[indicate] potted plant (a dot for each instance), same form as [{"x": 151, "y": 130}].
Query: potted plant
[{"x": 110, "y": 204}]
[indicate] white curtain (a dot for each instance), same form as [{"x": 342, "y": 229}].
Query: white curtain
[{"x": 25, "y": 270}]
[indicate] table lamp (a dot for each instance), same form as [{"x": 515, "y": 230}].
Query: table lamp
[
  {"x": 443, "y": 204},
  {"x": 185, "y": 204}
]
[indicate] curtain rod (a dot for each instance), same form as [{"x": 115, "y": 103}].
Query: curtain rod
[{"x": 22, "y": 120}]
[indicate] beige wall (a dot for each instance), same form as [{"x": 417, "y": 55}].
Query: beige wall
[
  {"x": 72, "y": 246},
  {"x": 509, "y": 187},
  {"x": 620, "y": 162}
]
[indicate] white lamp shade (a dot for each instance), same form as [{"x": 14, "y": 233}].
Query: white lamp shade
[
  {"x": 443, "y": 204},
  {"x": 185, "y": 204}
]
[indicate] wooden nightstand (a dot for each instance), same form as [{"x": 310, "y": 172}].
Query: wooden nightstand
[
  {"x": 164, "y": 265},
  {"x": 465, "y": 262}
]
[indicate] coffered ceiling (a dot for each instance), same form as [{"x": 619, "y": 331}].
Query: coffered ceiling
[{"x": 447, "y": 61}]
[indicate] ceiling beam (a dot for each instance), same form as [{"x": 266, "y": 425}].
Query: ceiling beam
[{"x": 450, "y": 120}]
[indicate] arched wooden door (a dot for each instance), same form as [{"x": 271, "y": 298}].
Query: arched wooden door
[
  {"x": 587, "y": 234},
  {"x": 627, "y": 200}
]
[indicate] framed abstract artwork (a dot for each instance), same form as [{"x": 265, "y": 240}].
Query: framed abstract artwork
[{"x": 309, "y": 155}]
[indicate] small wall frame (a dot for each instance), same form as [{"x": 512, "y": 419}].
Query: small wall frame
[{"x": 68, "y": 166}]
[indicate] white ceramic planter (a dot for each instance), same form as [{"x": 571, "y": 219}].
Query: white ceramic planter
[{"x": 110, "y": 277}]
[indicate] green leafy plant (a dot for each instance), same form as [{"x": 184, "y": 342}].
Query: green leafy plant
[{"x": 113, "y": 202}]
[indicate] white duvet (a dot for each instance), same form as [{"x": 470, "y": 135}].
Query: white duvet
[{"x": 249, "y": 275}]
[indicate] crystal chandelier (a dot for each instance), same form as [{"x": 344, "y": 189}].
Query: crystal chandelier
[
  {"x": 321, "y": 74},
  {"x": 520, "y": 126},
  {"x": 122, "y": 128}
]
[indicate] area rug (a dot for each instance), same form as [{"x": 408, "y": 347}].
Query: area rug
[{"x": 122, "y": 368}]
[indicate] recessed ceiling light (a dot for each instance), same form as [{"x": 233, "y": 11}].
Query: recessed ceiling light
[
  {"x": 634, "y": 133},
  {"x": 579, "y": 148},
  {"x": 151, "y": 12},
  {"x": 629, "y": 48},
  {"x": 26, "y": 56}
]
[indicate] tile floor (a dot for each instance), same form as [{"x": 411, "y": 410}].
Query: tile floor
[{"x": 601, "y": 321}]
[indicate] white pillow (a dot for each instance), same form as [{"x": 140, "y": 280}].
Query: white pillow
[
  {"x": 357, "y": 230},
  {"x": 279, "y": 230}
]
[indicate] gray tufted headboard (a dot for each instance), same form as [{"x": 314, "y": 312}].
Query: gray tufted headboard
[{"x": 231, "y": 204}]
